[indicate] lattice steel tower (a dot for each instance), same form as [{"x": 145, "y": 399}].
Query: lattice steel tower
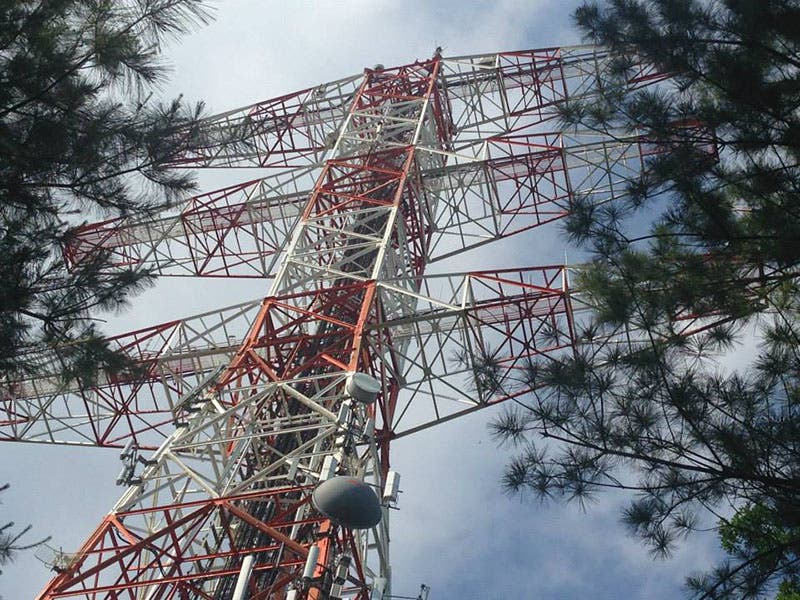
[{"x": 241, "y": 414}]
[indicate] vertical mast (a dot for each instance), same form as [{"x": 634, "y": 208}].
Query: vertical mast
[{"x": 226, "y": 498}]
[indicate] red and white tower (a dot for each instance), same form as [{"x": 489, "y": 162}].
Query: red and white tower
[{"x": 239, "y": 415}]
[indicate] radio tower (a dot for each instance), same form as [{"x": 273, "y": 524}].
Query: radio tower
[{"x": 256, "y": 439}]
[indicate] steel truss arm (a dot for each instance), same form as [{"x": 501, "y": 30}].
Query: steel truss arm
[
  {"x": 173, "y": 357},
  {"x": 294, "y": 130},
  {"x": 527, "y": 180},
  {"x": 503, "y": 93},
  {"x": 482, "y": 95},
  {"x": 432, "y": 351},
  {"x": 521, "y": 182},
  {"x": 237, "y": 231},
  {"x": 475, "y": 350}
]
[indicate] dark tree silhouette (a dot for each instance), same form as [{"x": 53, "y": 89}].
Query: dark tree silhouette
[
  {"x": 710, "y": 231},
  {"x": 80, "y": 137}
]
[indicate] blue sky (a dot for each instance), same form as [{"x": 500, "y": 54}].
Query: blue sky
[{"x": 455, "y": 530}]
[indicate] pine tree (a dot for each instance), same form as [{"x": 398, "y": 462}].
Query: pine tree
[
  {"x": 711, "y": 229},
  {"x": 11, "y": 539},
  {"x": 80, "y": 138}
]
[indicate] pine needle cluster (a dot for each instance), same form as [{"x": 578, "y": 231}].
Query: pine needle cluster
[{"x": 659, "y": 399}]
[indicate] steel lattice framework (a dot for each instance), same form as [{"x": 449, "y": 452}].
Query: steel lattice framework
[{"x": 370, "y": 179}]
